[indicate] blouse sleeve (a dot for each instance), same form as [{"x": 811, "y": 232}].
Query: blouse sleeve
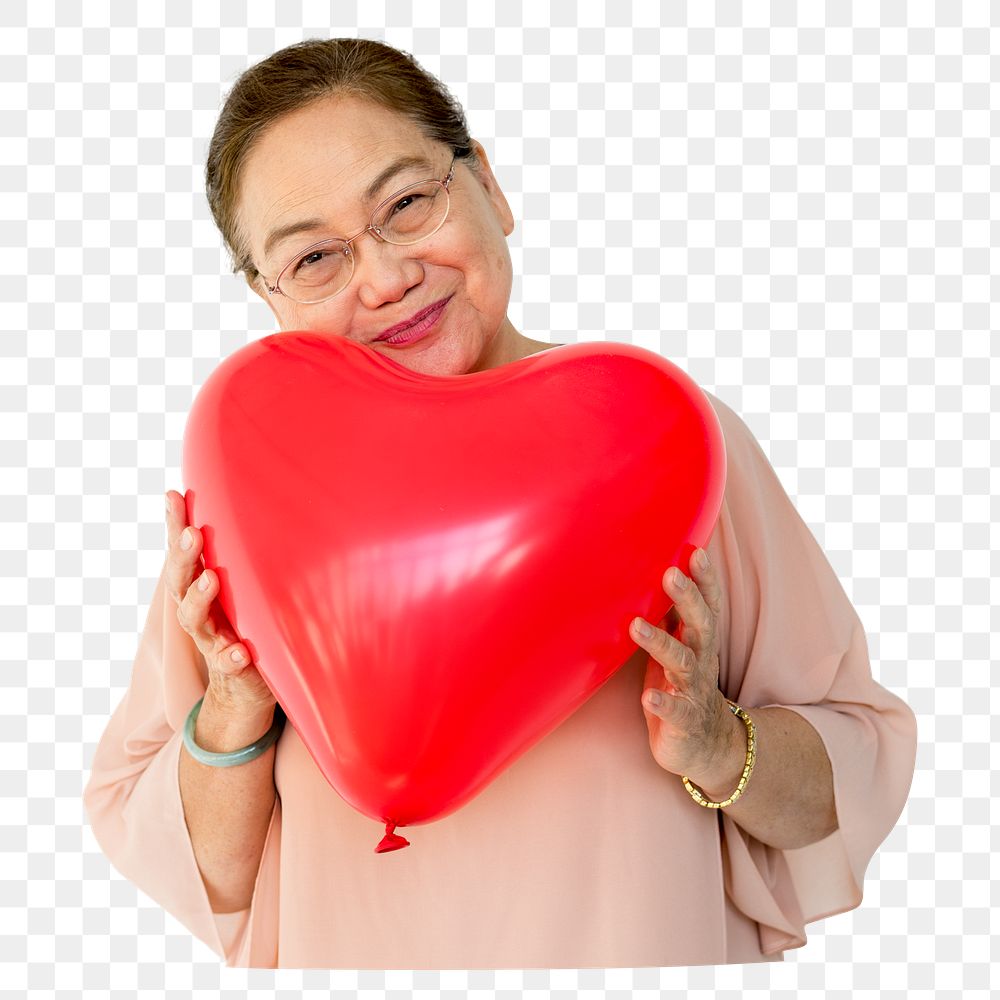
[
  {"x": 791, "y": 638},
  {"x": 133, "y": 802}
]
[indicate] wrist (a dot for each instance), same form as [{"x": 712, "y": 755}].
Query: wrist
[
  {"x": 223, "y": 728},
  {"x": 722, "y": 773}
]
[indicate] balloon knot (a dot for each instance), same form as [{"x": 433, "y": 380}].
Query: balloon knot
[{"x": 391, "y": 841}]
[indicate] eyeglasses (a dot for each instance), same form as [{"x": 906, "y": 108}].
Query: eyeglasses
[{"x": 325, "y": 269}]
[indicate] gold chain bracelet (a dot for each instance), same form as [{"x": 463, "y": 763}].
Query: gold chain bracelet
[{"x": 699, "y": 796}]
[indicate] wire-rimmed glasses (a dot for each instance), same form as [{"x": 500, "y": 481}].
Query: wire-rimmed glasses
[{"x": 325, "y": 269}]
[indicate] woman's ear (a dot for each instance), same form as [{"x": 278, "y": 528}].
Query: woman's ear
[{"x": 483, "y": 172}]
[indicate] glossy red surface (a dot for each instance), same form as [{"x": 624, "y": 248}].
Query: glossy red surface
[{"x": 433, "y": 572}]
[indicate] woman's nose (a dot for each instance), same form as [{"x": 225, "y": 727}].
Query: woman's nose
[{"x": 384, "y": 272}]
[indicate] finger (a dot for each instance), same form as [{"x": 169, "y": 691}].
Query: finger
[
  {"x": 207, "y": 624},
  {"x": 698, "y": 630},
  {"x": 193, "y": 614},
  {"x": 172, "y": 516},
  {"x": 676, "y": 659},
  {"x": 707, "y": 580},
  {"x": 672, "y": 622},
  {"x": 663, "y": 704},
  {"x": 183, "y": 563},
  {"x": 176, "y": 514},
  {"x": 656, "y": 677}
]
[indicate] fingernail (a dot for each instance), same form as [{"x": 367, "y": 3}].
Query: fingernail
[
  {"x": 166, "y": 497},
  {"x": 701, "y": 559},
  {"x": 654, "y": 698},
  {"x": 680, "y": 580},
  {"x": 643, "y": 628},
  {"x": 203, "y": 581},
  {"x": 237, "y": 656},
  {"x": 186, "y": 542}
]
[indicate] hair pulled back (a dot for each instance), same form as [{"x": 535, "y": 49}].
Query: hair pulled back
[{"x": 299, "y": 74}]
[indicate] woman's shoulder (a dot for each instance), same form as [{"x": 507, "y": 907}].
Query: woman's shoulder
[
  {"x": 740, "y": 439},
  {"x": 753, "y": 487}
]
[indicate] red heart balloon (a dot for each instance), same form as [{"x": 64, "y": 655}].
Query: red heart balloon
[{"x": 433, "y": 572}]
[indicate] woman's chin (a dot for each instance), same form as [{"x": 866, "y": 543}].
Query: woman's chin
[{"x": 433, "y": 357}]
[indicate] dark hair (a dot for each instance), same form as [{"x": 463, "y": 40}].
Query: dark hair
[{"x": 299, "y": 74}]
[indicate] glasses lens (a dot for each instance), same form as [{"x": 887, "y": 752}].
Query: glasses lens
[
  {"x": 413, "y": 214},
  {"x": 318, "y": 274}
]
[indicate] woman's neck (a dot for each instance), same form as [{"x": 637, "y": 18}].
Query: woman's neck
[{"x": 510, "y": 345}]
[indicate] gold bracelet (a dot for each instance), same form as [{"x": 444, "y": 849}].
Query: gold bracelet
[{"x": 696, "y": 792}]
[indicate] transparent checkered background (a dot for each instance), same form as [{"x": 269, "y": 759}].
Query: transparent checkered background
[{"x": 796, "y": 208}]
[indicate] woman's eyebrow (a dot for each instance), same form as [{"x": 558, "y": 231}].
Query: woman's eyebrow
[
  {"x": 397, "y": 166},
  {"x": 282, "y": 233}
]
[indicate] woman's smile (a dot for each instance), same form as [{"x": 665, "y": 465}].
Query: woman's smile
[{"x": 415, "y": 328}]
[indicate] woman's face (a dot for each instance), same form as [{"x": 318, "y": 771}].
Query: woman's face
[{"x": 311, "y": 169}]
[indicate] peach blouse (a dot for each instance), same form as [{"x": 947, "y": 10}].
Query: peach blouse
[{"x": 583, "y": 853}]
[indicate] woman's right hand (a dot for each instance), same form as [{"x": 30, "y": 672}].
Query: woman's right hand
[{"x": 234, "y": 683}]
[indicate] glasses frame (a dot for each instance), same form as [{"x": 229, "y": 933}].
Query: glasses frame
[{"x": 276, "y": 289}]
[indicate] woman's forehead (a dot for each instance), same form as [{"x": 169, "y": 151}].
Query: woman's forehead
[
  {"x": 349, "y": 133},
  {"x": 323, "y": 160}
]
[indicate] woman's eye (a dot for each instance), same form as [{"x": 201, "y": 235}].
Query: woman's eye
[
  {"x": 310, "y": 258},
  {"x": 405, "y": 202}
]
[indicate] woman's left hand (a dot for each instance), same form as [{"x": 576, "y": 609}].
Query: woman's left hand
[{"x": 690, "y": 728}]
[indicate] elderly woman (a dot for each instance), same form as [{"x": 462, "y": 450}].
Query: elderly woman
[{"x": 727, "y": 785}]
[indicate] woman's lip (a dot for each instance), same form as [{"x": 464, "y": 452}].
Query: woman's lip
[{"x": 413, "y": 329}]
